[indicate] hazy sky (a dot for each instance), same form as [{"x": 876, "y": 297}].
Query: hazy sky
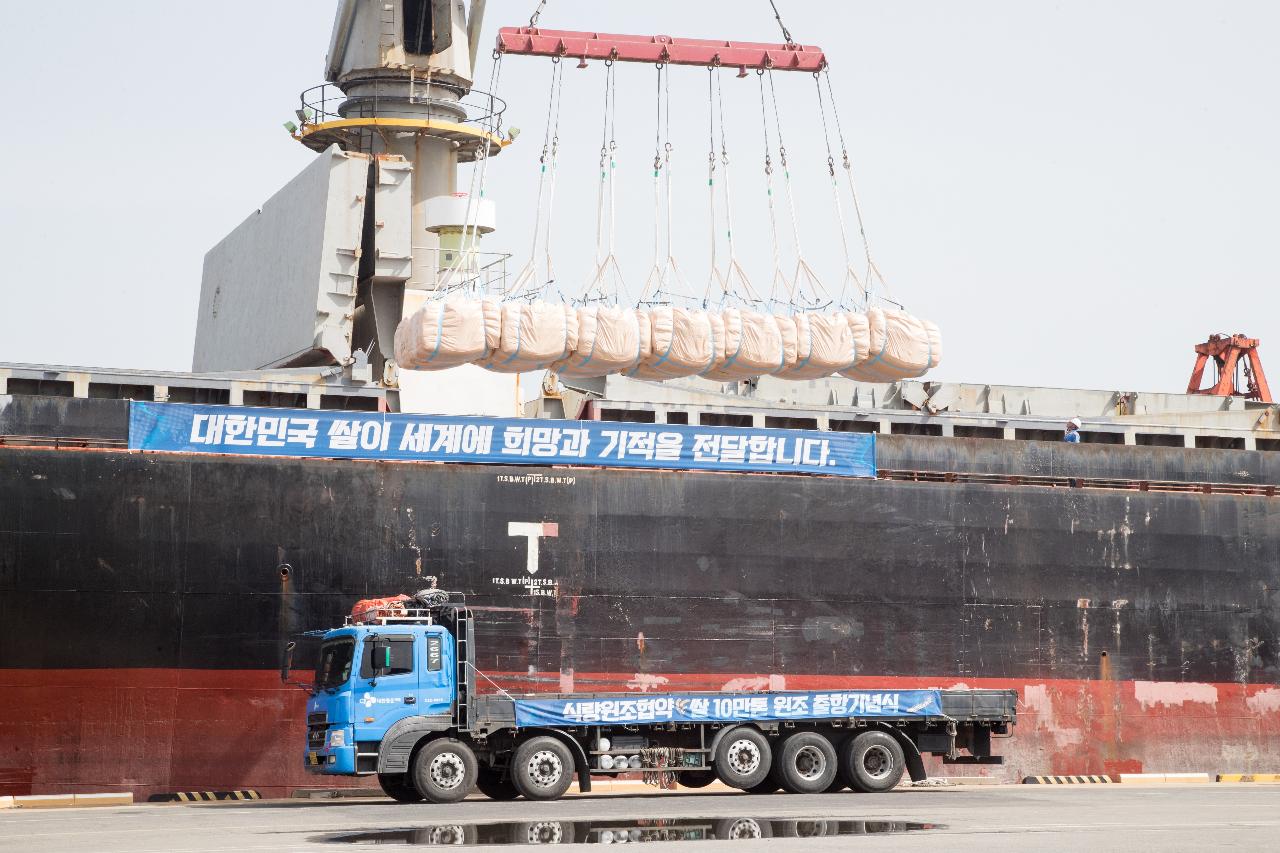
[{"x": 1076, "y": 192}]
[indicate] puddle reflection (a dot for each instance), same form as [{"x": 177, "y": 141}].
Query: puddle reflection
[{"x": 627, "y": 831}]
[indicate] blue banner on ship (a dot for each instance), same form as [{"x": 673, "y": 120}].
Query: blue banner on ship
[
  {"x": 424, "y": 438},
  {"x": 703, "y": 708}
]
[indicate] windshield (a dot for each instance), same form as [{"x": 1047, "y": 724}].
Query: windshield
[{"x": 334, "y": 667}]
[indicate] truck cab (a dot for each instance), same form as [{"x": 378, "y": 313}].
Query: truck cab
[{"x": 368, "y": 679}]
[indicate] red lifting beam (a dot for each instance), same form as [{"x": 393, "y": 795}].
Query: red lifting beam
[
  {"x": 531, "y": 41},
  {"x": 1227, "y": 353}
]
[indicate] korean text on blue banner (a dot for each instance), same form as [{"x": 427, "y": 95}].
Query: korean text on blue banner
[
  {"x": 746, "y": 707},
  {"x": 357, "y": 435}
]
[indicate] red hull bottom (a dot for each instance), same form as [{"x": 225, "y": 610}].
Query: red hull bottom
[{"x": 154, "y": 731}]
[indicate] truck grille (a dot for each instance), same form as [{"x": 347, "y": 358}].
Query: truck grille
[{"x": 317, "y": 725}]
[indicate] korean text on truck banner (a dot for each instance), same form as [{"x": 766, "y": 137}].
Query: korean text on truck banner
[
  {"x": 694, "y": 708},
  {"x": 359, "y": 435}
]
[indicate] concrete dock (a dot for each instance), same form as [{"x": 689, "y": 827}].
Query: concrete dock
[{"x": 963, "y": 818}]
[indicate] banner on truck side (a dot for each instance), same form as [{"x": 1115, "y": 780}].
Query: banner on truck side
[
  {"x": 759, "y": 707},
  {"x": 424, "y": 438}
]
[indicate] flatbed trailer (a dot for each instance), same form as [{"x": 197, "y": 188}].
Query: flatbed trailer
[{"x": 396, "y": 697}]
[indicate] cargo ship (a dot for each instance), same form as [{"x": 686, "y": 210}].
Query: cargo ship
[{"x": 1126, "y": 586}]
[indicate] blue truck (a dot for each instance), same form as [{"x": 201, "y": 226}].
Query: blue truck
[{"x": 396, "y": 695}]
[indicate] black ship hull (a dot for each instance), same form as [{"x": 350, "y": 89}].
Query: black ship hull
[{"x": 146, "y": 597}]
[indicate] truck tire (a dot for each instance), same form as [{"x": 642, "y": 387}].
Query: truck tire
[
  {"x": 837, "y": 785},
  {"x": 872, "y": 762},
  {"x": 542, "y": 768},
  {"x": 444, "y": 770},
  {"x": 491, "y": 783},
  {"x": 743, "y": 758},
  {"x": 804, "y": 763},
  {"x": 696, "y": 778},
  {"x": 398, "y": 787},
  {"x": 768, "y": 786}
]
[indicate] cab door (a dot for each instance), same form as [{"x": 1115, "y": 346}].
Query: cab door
[
  {"x": 436, "y": 681},
  {"x": 386, "y": 685}
]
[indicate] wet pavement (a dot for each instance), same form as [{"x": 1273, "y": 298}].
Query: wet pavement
[{"x": 978, "y": 819}]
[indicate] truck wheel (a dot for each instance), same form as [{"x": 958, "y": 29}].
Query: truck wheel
[
  {"x": 739, "y": 828},
  {"x": 872, "y": 762},
  {"x": 744, "y": 758},
  {"x": 804, "y": 763},
  {"x": 490, "y": 783},
  {"x": 542, "y": 768},
  {"x": 837, "y": 785},
  {"x": 768, "y": 786},
  {"x": 696, "y": 778},
  {"x": 398, "y": 787},
  {"x": 444, "y": 770}
]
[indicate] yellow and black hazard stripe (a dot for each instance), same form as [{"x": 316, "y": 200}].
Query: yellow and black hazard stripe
[
  {"x": 1066, "y": 780},
  {"x": 203, "y": 796}
]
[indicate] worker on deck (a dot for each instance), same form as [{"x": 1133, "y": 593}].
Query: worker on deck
[{"x": 1072, "y": 434}]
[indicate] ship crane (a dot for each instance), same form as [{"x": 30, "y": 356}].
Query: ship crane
[
  {"x": 1232, "y": 355},
  {"x": 397, "y": 292}
]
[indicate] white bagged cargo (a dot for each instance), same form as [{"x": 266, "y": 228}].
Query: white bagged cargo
[
  {"x": 611, "y": 339},
  {"x": 448, "y": 332},
  {"x": 860, "y": 323},
  {"x": 753, "y": 345},
  {"x": 902, "y": 346},
  {"x": 535, "y": 336},
  {"x": 682, "y": 343},
  {"x": 826, "y": 343}
]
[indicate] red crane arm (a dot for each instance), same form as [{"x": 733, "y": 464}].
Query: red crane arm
[
  {"x": 531, "y": 41},
  {"x": 1226, "y": 352}
]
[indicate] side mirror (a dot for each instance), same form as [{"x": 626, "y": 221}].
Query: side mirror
[{"x": 286, "y": 664}]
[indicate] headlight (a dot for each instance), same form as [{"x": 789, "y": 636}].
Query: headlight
[{"x": 337, "y": 737}]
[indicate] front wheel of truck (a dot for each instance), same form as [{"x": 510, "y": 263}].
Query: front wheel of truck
[
  {"x": 542, "y": 768},
  {"x": 398, "y": 787},
  {"x": 444, "y": 770}
]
